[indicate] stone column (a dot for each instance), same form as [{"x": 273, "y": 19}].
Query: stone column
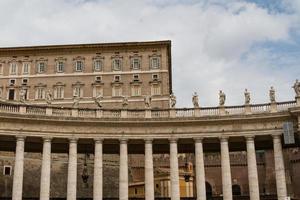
[
  {"x": 46, "y": 170},
  {"x": 279, "y": 168},
  {"x": 200, "y": 171},
  {"x": 252, "y": 169},
  {"x": 72, "y": 170},
  {"x": 226, "y": 172},
  {"x": 149, "y": 176},
  {"x": 98, "y": 171},
  {"x": 174, "y": 171},
  {"x": 123, "y": 175},
  {"x": 19, "y": 168}
]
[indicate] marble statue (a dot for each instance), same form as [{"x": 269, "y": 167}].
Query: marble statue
[
  {"x": 272, "y": 95},
  {"x": 76, "y": 100},
  {"x": 22, "y": 95},
  {"x": 147, "y": 101},
  {"x": 98, "y": 100},
  {"x": 222, "y": 98},
  {"x": 49, "y": 97},
  {"x": 125, "y": 102},
  {"x": 195, "y": 100},
  {"x": 296, "y": 87},
  {"x": 172, "y": 100},
  {"x": 247, "y": 97}
]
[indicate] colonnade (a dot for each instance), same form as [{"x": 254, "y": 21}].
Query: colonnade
[{"x": 149, "y": 175}]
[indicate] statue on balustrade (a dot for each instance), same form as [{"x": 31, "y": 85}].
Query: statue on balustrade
[
  {"x": 147, "y": 101},
  {"x": 247, "y": 97},
  {"x": 98, "y": 100},
  {"x": 195, "y": 100},
  {"x": 272, "y": 95},
  {"x": 76, "y": 100},
  {"x": 49, "y": 97},
  {"x": 297, "y": 88},
  {"x": 125, "y": 102},
  {"x": 172, "y": 100},
  {"x": 222, "y": 98},
  {"x": 22, "y": 95}
]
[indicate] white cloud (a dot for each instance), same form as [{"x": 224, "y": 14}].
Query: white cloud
[{"x": 209, "y": 39}]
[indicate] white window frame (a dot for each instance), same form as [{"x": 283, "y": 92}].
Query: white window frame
[
  {"x": 26, "y": 81},
  {"x": 155, "y": 89},
  {"x": 60, "y": 66},
  {"x": 24, "y": 67},
  {"x": 10, "y": 170},
  {"x": 98, "y": 68},
  {"x": 136, "y": 90},
  {"x": 39, "y": 67},
  {"x": 13, "y": 70},
  {"x": 98, "y": 79},
  {"x": 155, "y": 78},
  {"x": 78, "y": 89},
  {"x": 117, "y": 79},
  {"x": 40, "y": 93},
  {"x": 10, "y": 82},
  {"x": 58, "y": 92},
  {"x": 138, "y": 63},
  {"x": 77, "y": 65},
  {"x": 114, "y": 64},
  {"x": 152, "y": 64},
  {"x": 117, "y": 91},
  {"x": 1, "y": 68}
]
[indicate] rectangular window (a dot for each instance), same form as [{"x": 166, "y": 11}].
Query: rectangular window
[
  {"x": 155, "y": 89},
  {"x": 154, "y": 77},
  {"x": 13, "y": 68},
  {"x": 98, "y": 79},
  {"x": 117, "y": 78},
  {"x": 117, "y": 64},
  {"x": 7, "y": 170},
  {"x": 97, "y": 90},
  {"x": 11, "y": 94},
  {"x": 59, "y": 92},
  {"x": 155, "y": 63},
  {"x": 136, "y": 90},
  {"x": 97, "y": 65},
  {"x": 135, "y": 64},
  {"x": 1, "y": 68},
  {"x": 136, "y": 77},
  {"x": 79, "y": 66},
  {"x": 117, "y": 91},
  {"x": 60, "y": 66},
  {"x": 26, "y": 68},
  {"x": 1, "y": 92},
  {"x": 12, "y": 81},
  {"x": 41, "y": 67},
  {"x": 77, "y": 91},
  {"x": 24, "y": 81},
  {"x": 40, "y": 93}
]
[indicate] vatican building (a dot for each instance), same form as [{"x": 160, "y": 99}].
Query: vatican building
[{"x": 100, "y": 121}]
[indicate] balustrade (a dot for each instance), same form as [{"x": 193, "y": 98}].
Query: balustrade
[{"x": 159, "y": 113}]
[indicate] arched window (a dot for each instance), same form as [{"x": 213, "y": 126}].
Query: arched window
[
  {"x": 236, "y": 190},
  {"x": 208, "y": 189}
]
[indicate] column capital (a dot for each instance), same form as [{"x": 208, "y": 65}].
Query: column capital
[
  {"x": 198, "y": 139},
  {"x": 276, "y": 136},
  {"x": 73, "y": 140},
  {"x": 224, "y": 138},
  {"x": 173, "y": 140},
  {"x": 98, "y": 140},
  {"x": 250, "y": 138},
  {"x": 148, "y": 140},
  {"x": 47, "y": 139},
  {"x": 20, "y": 137},
  {"x": 123, "y": 140}
]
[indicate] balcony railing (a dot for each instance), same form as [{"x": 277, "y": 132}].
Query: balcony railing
[{"x": 14, "y": 108}]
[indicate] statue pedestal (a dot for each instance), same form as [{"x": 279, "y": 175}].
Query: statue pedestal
[
  {"x": 197, "y": 112},
  {"x": 297, "y": 100},
  {"x": 123, "y": 113},
  {"x": 48, "y": 111},
  {"x": 247, "y": 109},
  {"x": 172, "y": 112},
  {"x": 148, "y": 113},
  {"x": 273, "y": 107},
  {"x": 222, "y": 110},
  {"x": 75, "y": 112}
]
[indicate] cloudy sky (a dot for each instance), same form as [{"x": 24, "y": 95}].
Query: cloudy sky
[{"x": 216, "y": 44}]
